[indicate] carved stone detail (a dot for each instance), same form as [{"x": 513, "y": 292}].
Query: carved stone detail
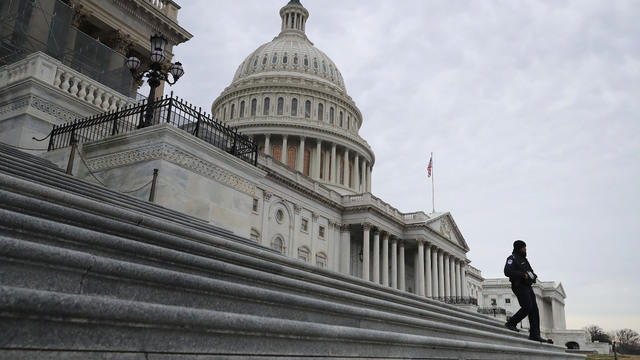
[
  {"x": 267, "y": 195},
  {"x": 178, "y": 157},
  {"x": 445, "y": 228},
  {"x": 297, "y": 209}
]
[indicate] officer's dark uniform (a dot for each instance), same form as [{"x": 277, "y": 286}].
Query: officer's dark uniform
[{"x": 515, "y": 269}]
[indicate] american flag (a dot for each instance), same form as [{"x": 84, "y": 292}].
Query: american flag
[{"x": 430, "y": 167}]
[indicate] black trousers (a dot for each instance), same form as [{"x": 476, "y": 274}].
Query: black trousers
[{"x": 528, "y": 307}]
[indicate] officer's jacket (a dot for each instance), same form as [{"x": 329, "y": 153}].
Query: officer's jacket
[{"x": 515, "y": 269}]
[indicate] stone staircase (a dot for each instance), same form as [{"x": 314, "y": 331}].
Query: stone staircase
[{"x": 88, "y": 273}]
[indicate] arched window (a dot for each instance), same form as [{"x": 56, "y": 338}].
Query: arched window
[
  {"x": 315, "y": 64},
  {"x": 350, "y": 175},
  {"x": 254, "y": 105},
  {"x": 285, "y": 59},
  {"x": 265, "y": 107},
  {"x": 291, "y": 157},
  {"x": 320, "y": 111},
  {"x": 307, "y": 109},
  {"x": 340, "y": 118},
  {"x": 278, "y": 244},
  {"x": 264, "y": 60},
  {"x": 341, "y": 171},
  {"x": 295, "y": 60},
  {"x": 242, "y": 108},
  {"x": 274, "y": 59},
  {"x": 348, "y": 121},
  {"x": 224, "y": 113},
  {"x": 255, "y": 63},
  {"x": 280, "y": 106},
  {"x": 307, "y": 158},
  {"x": 324, "y": 67},
  {"x": 322, "y": 164},
  {"x": 304, "y": 253},
  {"x": 277, "y": 152},
  {"x": 233, "y": 110},
  {"x": 294, "y": 107},
  {"x": 341, "y": 121},
  {"x": 348, "y": 125},
  {"x": 331, "y": 115},
  {"x": 306, "y": 61},
  {"x": 321, "y": 260}
]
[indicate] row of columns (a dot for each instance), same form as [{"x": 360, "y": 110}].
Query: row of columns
[
  {"x": 439, "y": 274},
  {"x": 361, "y": 167}
]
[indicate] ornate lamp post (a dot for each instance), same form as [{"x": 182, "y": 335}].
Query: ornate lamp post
[{"x": 155, "y": 74}]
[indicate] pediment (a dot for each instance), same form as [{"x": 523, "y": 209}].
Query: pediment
[{"x": 444, "y": 225}]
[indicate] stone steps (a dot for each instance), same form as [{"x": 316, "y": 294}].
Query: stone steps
[{"x": 85, "y": 278}]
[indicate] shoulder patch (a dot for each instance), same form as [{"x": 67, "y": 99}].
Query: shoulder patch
[{"x": 510, "y": 261}]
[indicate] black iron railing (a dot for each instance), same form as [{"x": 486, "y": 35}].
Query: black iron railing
[
  {"x": 457, "y": 300},
  {"x": 492, "y": 310},
  {"x": 168, "y": 109}
]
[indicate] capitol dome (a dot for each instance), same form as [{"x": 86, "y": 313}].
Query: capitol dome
[{"x": 291, "y": 98}]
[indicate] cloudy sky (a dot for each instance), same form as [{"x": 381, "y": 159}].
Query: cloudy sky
[{"x": 532, "y": 109}]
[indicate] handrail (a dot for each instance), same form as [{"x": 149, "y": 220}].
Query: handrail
[{"x": 167, "y": 109}]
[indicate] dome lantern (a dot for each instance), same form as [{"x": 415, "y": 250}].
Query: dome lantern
[{"x": 294, "y": 17}]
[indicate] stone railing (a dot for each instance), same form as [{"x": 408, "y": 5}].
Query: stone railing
[
  {"x": 368, "y": 199},
  {"x": 50, "y": 71}
]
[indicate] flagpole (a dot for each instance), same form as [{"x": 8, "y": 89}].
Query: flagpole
[{"x": 433, "y": 187}]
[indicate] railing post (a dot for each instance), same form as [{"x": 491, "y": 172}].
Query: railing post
[
  {"x": 152, "y": 193},
  {"x": 114, "y": 129},
  {"x": 169, "y": 109},
  {"x": 195, "y": 131},
  {"x": 72, "y": 155},
  {"x": 53, "y": 131},
  {"x": 234, "y": 149}
]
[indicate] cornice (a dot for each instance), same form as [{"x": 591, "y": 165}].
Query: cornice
[{"x": 176, "y": 156}]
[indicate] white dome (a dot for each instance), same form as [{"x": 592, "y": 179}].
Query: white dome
[{"x": 290, "y": 52}]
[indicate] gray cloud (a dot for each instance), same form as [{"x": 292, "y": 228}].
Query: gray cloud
[{"x": 531, "y": 108}]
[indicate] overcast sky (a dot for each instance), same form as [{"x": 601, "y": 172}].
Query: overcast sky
[{"x": 532, "y": 109}]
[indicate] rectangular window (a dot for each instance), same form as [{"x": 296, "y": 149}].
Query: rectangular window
[
  {"x": 321, "y": 232},
  {"x": 507, "y": 301},
  {"x": 255, "y": 205},
  {"x": 304, "y": 225},
  {"x": 494, "y": 302}
]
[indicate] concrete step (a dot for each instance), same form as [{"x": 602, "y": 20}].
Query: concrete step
[
  {"x": 89, "y": 273},
  {"x": 162, "y": 332},
  {"x": 18, "y": 154}
]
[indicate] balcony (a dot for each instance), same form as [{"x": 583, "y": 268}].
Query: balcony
[{"x": 27, "y": 27}]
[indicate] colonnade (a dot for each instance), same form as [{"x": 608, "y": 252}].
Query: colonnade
[
  {"x": 321, "y": 160},
  {"x": 439, "y": 274}
]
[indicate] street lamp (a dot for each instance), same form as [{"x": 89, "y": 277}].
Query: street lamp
[{"x": 155, "y": 74}]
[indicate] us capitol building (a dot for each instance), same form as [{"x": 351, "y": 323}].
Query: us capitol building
[{"x": 175, "y": 219}]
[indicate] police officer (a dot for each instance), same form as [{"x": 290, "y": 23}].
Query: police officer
[{"x": 521, "y": 276}]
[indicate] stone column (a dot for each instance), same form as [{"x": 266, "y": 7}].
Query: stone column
[
  {"x": 376, "y": 256},
  {"x": 394, "y": 263},
  {"x": 427, "y": 268},
  {"x": 452, "y": 271},
  {"x": 458, "y": 280},
  {"x": 447, "y": 276},
  {"x": 456, "y": 274},
  {"x": 267, "y": 144},
  {"x": 365, "y": 251},
  {"x": 440, "y": 275},
  {"x": 345, "y": 249},
  {"x": 402, "y": 283},
  {"x": 300, "y": 161},
  {"x": 463, "y": 270},
  {"x": 385, "y": 259},
  {"x": 316, "y": 165},
  {"x": 369, "y": 178},
  {"x": 284, "y": 150},
  {"x": 364, "y": 176},
  {"x": 434, "y": 272},
  {"x": 346, "y": 168},
  {"x": 334, "y": 176},
  {"x": 356, "y": 173},
  {"x": 420, "y": 267}
]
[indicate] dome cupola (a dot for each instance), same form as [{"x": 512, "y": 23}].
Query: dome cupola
[{"x": 294, "y": 17}]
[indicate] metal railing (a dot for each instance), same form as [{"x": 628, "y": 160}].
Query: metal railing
[
  {"x": 457, "y": 300},
  {"x": 168, "y": 109}
]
